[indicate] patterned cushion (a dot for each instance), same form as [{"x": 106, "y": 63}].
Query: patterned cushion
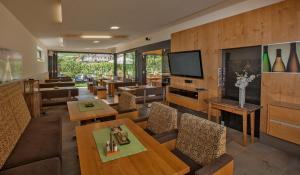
[
  {"x": 22, "y": 113},
  {"x": 9, "y": 131},
  {"x": 126, "y": 101},
  {"x": 10, "y": 88},
  {"x": 162, "y": 118},
  {"x": 14, "y": 117},
  {"x": 200, "y": 139}
]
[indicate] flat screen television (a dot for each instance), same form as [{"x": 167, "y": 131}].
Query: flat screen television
[{"x": 186, "y": 64}]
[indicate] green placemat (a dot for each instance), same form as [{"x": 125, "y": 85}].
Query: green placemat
[
  {"x": 102, "y": 135},
  {"x": 97, "y": 106}
]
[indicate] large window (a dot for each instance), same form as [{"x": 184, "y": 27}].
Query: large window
[
  {"x": 130, "y": 65},
  {"x": 81, "y": 66},
  {"x": 120, "y": 65}
]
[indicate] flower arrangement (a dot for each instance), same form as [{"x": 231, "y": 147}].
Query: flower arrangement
[{"x": 242, "y": 79}]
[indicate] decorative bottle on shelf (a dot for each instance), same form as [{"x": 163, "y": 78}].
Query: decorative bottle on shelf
[
  {"x": 293, "y": 62},
  {"x": 278, "y": 65},
  {"x": 266, "y": 60}
]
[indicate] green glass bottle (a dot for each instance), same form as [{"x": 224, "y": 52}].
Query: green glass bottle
[{"x": 266, "y": 60}]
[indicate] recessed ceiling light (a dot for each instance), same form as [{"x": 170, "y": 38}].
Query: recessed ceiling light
[
  {"x": 96, "y": 42},
  {"x": 114, "y": 27},
  {"x": 96, "y": 36}
]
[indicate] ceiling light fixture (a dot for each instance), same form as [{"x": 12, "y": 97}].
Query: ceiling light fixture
[
  {"x": 114, "y": 27},
  {"x": 59, "y": 12},
  {"x": 96, "y": 36},
  {"x": 96, "y": 42}
]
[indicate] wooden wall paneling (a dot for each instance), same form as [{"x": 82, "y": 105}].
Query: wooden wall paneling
[
  {"x": 175, "y": 41},
  {"x": 241, "y": 30},
  {"x": 281, "y": 22},
  {"x": 272, "y": 24},
  {"x": 278, "y": 87}
]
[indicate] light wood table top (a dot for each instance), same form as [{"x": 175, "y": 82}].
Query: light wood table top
[
  {"x": 156, "y": 160},
  {"x": 76, "y": 115},
  {"x": 58, "y": 89},
  {"x": 134, "y": 88},
  {"x": 113, "y": 81},
  {"x": 248, "y": 107}
]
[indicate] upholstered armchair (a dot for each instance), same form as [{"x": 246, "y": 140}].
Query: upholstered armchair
[
  {"x": 160, "y": 122},
  {"x": 201, "y": 144},
  {"x": 126, "y": 107}
]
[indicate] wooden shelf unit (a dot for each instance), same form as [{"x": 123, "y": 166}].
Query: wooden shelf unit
[
  {"x": 198, "y": 104},
  {"x": 284, "y": 121}
]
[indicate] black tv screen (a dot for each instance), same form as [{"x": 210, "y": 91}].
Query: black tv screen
[{"x": 187, "y": 64}]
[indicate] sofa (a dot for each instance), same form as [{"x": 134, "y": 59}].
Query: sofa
[{"x": 28, "y": 146}]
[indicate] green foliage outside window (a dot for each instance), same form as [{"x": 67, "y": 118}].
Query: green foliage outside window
[{"x": 71, "y": 65}]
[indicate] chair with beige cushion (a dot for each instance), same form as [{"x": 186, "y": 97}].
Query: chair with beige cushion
[
  {"x": 201, "y": 144},
  {"x": 127, "y": 107},
  {"x": 161, "y": 122}
]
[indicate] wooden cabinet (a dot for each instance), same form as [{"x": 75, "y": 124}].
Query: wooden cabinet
[
  {"x": 198, "y": 103},
  {"x": 284, "y": 121}
]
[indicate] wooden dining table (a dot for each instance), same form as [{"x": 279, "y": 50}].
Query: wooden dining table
[
  {"x": 76, "y": 115},
  {"x": 155, "y": 160}
]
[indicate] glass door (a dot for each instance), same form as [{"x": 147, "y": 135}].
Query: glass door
[
  {"x": 153, "y": 69},
  {"x": 130, "y": 66}
]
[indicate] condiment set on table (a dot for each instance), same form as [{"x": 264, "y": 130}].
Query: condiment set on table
[{"x": 120, "y": 136}]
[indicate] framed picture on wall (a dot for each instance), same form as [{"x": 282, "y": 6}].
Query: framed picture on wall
[
  {"x": 282, "y": 57},
  {"x": 10, "y": 65}
]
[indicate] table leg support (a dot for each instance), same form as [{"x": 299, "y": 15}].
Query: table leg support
[
  {"x": 245, "y": 128},
  {"x": 252, "y": 117},
  {"x": 209, "y": 111}
]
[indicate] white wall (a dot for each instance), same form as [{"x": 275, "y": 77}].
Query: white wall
[
  {"x": 165, "y": 34},
  {"x": 14, "y": 36}
]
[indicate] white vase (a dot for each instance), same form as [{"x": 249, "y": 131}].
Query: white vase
[{"x": 242, "y": 96}]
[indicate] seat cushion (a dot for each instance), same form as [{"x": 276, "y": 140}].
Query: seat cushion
[
  {"x": 44, "y": 167},
  {"x": 194, "y": 166},
  {"x": 41, "y": 140}
]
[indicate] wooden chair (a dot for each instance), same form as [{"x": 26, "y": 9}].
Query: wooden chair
[{"x": 201, "y": 144}]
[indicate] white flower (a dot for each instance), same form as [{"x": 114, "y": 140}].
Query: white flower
[{"x": 242, "y": 80}]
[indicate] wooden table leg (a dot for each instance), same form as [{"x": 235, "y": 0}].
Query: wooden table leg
[
  {"x": 112, "y": 89},
  {"x": 209, "y": 111},
  {"x": 245, "y": 128},
  {"x": 252, "y": 116}
]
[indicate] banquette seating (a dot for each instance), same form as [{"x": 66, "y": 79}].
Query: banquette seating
[{"x": 28, "y": 146}]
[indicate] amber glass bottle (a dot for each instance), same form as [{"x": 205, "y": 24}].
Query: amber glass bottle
[
  {"x": 293, "y": 62},
  {"x": 278, "y": 65}
]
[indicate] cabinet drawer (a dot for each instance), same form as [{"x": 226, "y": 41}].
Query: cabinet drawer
[
  {"x": 284, "y": 131},
  {"x": 287, "y": 115}
]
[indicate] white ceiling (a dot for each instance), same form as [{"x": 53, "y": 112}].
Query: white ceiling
[{"x": 135, "y": 17}]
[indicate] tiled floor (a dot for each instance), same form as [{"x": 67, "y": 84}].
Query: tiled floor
[{"x": 255, "y": 159}]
